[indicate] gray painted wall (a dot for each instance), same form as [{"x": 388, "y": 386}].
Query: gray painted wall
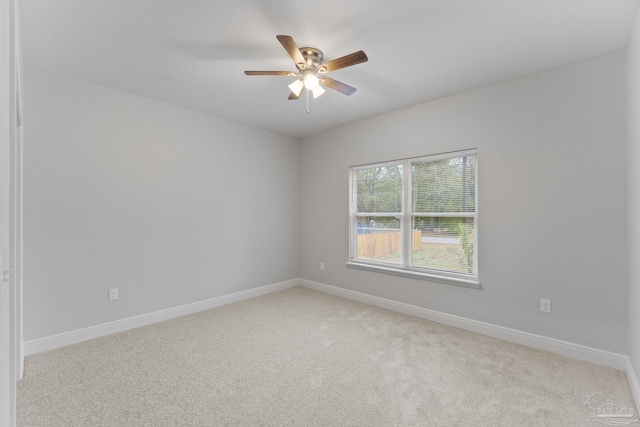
[
  {"x": 633, "y": 181},
  {"x": 172, "y": 206},
  {"x": 552, "y": 200},
  {"x": 169, "y": 205}
]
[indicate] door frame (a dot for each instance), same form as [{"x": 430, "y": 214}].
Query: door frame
[{"x": 11, "y": 191}]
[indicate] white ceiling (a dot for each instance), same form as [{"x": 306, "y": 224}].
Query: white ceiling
[{"x": 193, "y": 52}]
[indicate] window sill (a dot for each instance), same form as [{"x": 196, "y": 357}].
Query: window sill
[{"x": 467, "y": 283}]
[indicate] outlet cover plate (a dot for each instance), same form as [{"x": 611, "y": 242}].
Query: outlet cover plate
[{"x": 545, "y": 305}]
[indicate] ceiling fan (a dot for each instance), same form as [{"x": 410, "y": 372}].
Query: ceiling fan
[{"x": 311, "y": 70}]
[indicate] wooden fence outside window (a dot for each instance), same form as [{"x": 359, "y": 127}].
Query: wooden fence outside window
[{"x": 384, "y": 242}]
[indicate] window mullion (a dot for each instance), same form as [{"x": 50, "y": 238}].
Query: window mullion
[
  {"x": 405, "y": 223},
  {"x": 353, "y": 206}
]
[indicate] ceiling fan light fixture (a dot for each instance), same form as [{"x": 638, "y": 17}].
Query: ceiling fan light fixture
[
  {"x": 317, "y": 91},
  {"x": 296, "y": 87},
  {"x": 311, "y": 82}
]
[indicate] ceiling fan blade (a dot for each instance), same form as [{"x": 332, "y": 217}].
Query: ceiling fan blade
[
  {"x": 293, "y": 96},
  {"x": 270, "y": 73},
  {"x": 336, "y": 85},
  {"x": 293, "y": 50},
  {"x": 345, "y": 61}
]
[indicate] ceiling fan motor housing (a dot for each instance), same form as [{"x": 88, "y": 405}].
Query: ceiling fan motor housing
[{"x": 312, "y": 56}]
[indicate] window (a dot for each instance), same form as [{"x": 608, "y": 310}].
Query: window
[{"x": 417, "y": 217}]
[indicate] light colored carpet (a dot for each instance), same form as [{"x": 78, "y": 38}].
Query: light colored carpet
[{"x": 304, "y": 358}]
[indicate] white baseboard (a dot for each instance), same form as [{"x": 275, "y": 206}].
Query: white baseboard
[
  {"x": 576, "y": 351},
  {"x": 72, "y": 337}
]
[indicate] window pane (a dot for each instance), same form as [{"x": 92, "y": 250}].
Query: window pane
[
  {"x": 443, "y": 243},
  {"x": 446, "y": 185},
  {"x": 380, "y": 189},
  {"x": 378, "y": 239}
]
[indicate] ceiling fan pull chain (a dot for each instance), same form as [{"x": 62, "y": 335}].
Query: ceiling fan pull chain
[{"x": 307, "y": 91}]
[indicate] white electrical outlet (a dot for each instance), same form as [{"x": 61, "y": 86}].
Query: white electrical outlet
[
  {"x": 545, "y": 305},
  {"x": 322, "y": 266},
  {"x": 113, "y": 294}
]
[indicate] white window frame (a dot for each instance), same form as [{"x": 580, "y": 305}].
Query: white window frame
[{"x": 404, "y": 268}]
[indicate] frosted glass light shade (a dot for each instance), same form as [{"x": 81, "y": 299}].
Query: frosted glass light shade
[
  {"x": 311, "y": 81},
  {"x": 317, "y": 91},
  {"x": 296, "y": 87}
]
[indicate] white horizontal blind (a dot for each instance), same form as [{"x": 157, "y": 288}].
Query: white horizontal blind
[
  {"x": 444, "y": 185},
  {"x": 443, "y": 209}
]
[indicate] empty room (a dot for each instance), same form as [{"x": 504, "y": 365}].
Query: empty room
[{"x": 328, "y": 213}]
